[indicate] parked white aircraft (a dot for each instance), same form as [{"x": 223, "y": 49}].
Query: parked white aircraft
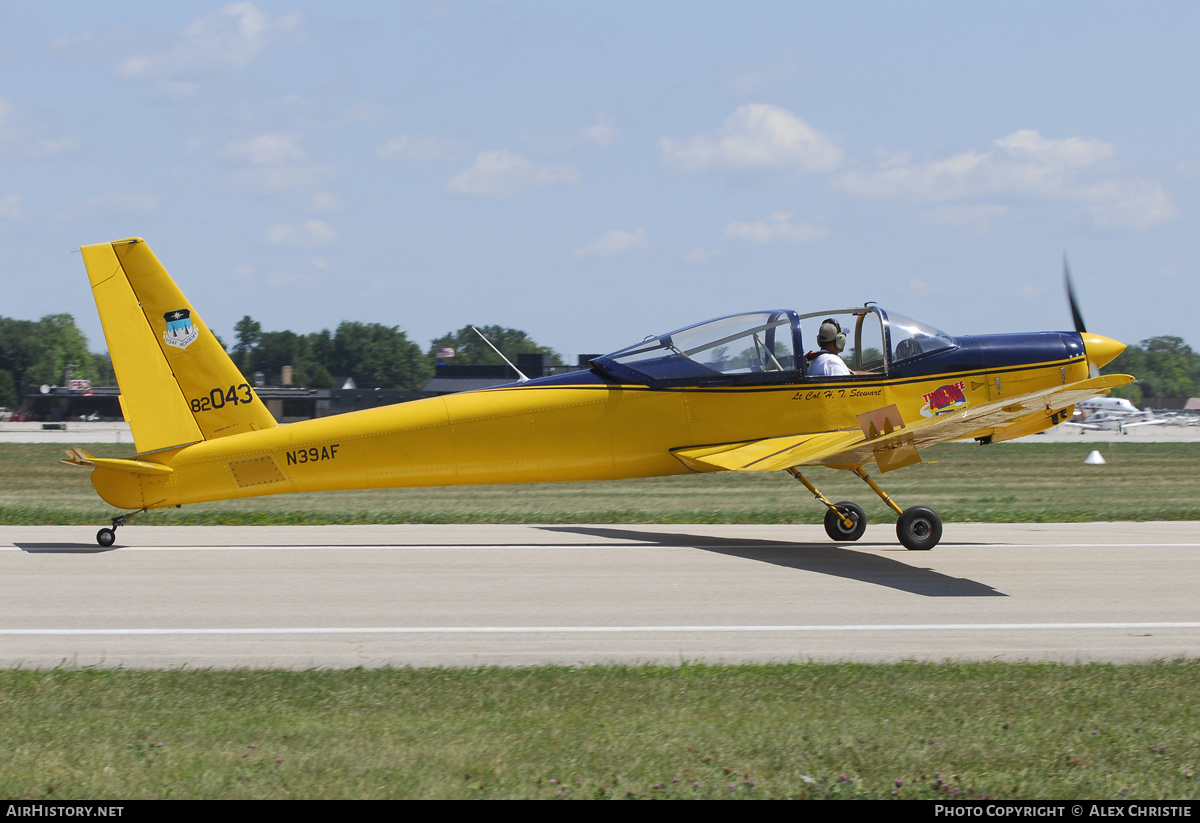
[
  {"x": 1110, "y": 414},
  {"x": 1117, "y": 405}
]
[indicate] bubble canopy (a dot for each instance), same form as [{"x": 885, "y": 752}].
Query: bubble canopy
[{"x": 767, "y": 346}]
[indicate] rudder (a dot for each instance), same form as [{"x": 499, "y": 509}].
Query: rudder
[{"x": 178, "y": 386}]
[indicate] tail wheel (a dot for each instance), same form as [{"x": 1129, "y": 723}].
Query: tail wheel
[
  {"x": 106, "y": 537},
  {"x": 919, "y": 529},
  {"x": 837, "y": 530}
]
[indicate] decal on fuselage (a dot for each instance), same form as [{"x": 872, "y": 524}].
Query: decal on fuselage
[
  {"x": 312, "y": 455},
  {"x": 944, "y": 400},
  {"x": 835, "y": 394},
  {"x": 180, "y": 331}
]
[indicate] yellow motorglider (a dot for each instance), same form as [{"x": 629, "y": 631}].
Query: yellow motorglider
[{"x": 736, "y": 393}]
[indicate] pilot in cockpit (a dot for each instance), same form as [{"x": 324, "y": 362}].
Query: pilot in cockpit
[{"x": 832, "y": 340}]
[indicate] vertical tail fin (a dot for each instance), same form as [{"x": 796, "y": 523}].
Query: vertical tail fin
[{"x": 178, "y": 386}]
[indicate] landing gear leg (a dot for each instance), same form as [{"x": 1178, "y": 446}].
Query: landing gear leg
[
  {"x": 843, "y": 521},
  {"x": 106, "y": 537},
  {"x": 918, "y": 529}
]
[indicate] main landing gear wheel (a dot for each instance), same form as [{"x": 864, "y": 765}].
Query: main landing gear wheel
[
  {"x": 836, "y": 529},
  {"x": 919, "y": 529}
]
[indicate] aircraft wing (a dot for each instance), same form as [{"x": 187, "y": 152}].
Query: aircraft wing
[
  {"x": 1090, "y": 427},
  {"x": 771, "y": 454},
  {"x": 898, "y": 444}
]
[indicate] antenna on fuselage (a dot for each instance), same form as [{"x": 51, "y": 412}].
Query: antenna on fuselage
[{"x": 524, "y": 379}]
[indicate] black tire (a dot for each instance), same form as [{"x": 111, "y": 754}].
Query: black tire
[
  {"x": 106, "y": 537},
  {"x": 919, "y": 529},
  {"x": 836, "y": 529}
]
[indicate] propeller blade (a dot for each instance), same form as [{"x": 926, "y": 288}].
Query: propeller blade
[
  {"x": 1093, "y": 371},
  {"x": 1075, "y": 315}
]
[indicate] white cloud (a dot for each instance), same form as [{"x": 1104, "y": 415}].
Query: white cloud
[
  {"x": 1188, "y": 169},
  {"x": 219, "y": 42},
  {"x": 757, "y": 137},
  {"x": 1134, "y": 204},
  {"x": 266, "y": 150},
  {"x": 1071, "y": 152},
  {"x": 504, "y": 174},
  {"x": 284, "y": 178},
  {"x": 615, "y": 242},
  {"x": 1023, "y": 164},
  {"x": 1029, "y": 291},
  {"x": 326, "y": 201},
  {"x": 700, "y": 254},
  {"x": 601, "y": 132},
  {"x": 10, "y": 207},
  {"x": 309, "y": 233},
  {"x": 18, "y": 134},
  {"x": 921, "y": 288},
  {"x": 48, "y": 146},
  {"x": 418, "y": 149},
  {"x": 778, "y": 228},
  {"x": 745, "y": 79},
  {"x": 277, "y": 163}
]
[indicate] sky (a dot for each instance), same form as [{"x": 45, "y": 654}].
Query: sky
[{"x": 595, "y": 172}]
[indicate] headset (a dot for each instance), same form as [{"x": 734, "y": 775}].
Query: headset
[{"x": 831, "y": 332}]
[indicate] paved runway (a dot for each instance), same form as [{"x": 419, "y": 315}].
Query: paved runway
[{"x": 340, "y": 596}]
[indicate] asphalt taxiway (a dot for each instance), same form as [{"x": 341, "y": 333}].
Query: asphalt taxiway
[{"x": 343, "y": 596}]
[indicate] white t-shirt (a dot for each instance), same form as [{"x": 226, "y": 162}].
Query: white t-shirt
[{"x": 828, "y": 365}]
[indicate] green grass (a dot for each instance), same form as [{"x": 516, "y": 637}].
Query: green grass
[
  {"x": 1006, "y": 482},
  {"x": 847, "y": 731}
]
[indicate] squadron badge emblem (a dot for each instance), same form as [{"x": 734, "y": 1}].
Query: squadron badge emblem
[{"x": 180, "y": 331}]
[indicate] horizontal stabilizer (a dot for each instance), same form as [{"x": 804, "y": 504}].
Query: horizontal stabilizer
[{"x": 79, "y": 457}]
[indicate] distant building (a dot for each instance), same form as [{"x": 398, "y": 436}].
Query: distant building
[
  {"x": 288, "y": 404},
  {"x": 1171, "y": 403},
  {"x": 451, "y": 379}
]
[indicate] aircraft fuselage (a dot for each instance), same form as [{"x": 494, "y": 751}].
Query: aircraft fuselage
[{"x": 585, "y": 426}]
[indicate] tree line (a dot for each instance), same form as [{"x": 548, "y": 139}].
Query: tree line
[
  {"x": 372, "y": 354},
  {"x": 36, "y": 352},
  {"x": 1164, "y": 367}
]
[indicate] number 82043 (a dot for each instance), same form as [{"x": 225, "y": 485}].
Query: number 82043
[{"x": 217, "y": 398}]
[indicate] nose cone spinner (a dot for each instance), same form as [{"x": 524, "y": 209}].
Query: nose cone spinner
[{"x": 1101, "y": 350}]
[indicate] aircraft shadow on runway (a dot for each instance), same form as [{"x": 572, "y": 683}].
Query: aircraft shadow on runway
[
  {"x": 64, "y": 548},
  {"x": 819, "y": 558}
]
